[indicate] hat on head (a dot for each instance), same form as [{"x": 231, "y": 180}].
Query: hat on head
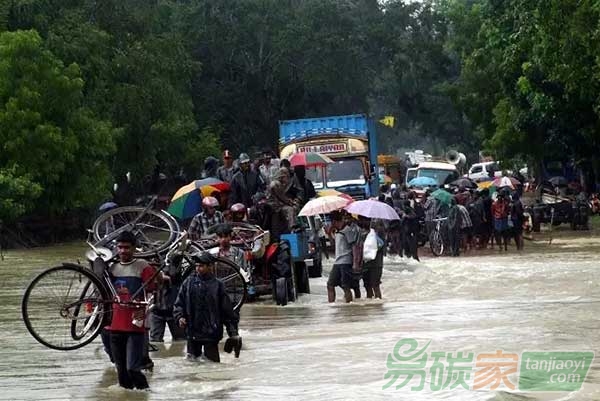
[{"x": 244, "y": 158}]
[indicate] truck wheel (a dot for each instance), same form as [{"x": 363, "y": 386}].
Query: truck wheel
[
  {"x": 302, "y": 282},
  {"x": 281, "y": 291}
]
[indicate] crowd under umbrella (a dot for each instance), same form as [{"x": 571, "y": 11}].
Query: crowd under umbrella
[
  {"x": 187, "y": 201},
  {"x": 423, "y": 182},
  {"x": 372, "y": 209}
]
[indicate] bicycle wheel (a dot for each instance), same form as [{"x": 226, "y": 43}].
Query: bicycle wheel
[
  {"x": 91, "y": 317},
  {"x": 154, "y": 230},
  {"x": 235, "y": 284},
  {"x": 436, "y": 243},
  {"x": 57, "y": 297}
]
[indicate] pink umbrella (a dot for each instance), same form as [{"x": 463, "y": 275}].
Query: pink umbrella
[{"x": 372, "y": 209}]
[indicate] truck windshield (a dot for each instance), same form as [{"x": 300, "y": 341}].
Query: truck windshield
[
  {"x": 345, "y": 170},
  {"x": 341, "y": 170},
  {"x": 441, "y": 176}
]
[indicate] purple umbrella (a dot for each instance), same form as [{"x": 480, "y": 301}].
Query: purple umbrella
[{"x": 373, "y": 209}]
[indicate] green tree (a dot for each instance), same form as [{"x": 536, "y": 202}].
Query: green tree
[{"x": 48, "y": 138}]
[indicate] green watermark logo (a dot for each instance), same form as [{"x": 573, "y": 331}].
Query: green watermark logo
[
  {"x": 554, "y": 371},
  {"x": 412, "y": 365}
]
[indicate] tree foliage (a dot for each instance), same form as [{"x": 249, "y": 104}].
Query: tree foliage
[{"x": 45, "y": 131}]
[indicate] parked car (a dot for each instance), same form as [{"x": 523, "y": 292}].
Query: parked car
[{"x": 483, "y": 171}]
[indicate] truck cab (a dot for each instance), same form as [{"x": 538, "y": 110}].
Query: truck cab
[
  {"x": 349, "y": 140},
  {"x": 443, "y": 173}
]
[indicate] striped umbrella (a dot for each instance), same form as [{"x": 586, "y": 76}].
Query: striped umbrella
[
  {"x": 309, "y": 159},
  {"x": 187, "y": 201}
]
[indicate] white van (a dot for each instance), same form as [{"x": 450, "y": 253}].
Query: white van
[{"x": 484, "y": 171}]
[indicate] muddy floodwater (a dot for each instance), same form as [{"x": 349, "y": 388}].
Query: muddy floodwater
[{"x": 546, "y": 299}]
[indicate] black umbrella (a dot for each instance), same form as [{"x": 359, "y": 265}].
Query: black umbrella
[{"x": 463, "y": 182}]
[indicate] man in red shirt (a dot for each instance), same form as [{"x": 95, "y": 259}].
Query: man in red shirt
[
  {"x": 127, "y": 331},
  {"x": 500, "y": 211}
]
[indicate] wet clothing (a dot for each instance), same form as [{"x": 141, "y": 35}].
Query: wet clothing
[
  {"x": 517, "y": 214},
  {"x": 244, "y": 185},
  {"x": 127, "y": 279},
  {"x": 127, "y": 350},
  {"x": 226, "y": 173},
  {"x": 211, "y": 350},
  {"x": 269, "y": 172},
  {"x": 205, "y": 305},
  {"x": 201, "y": 223},
  {"x": 281, "y": 203},
  {"x": 341, "y": 276},
  {"x": 344, "y": 240},
  {"x": 500, "y": 211},
  {"x": 373, "y": 271},
  {"x": 159, "y": 321},
  {"x": 455, "y": 222}
]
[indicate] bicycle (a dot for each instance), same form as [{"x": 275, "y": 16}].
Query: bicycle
[
  {"x": 250, "y": 238},
  {"x": 436, "y": 239},
  {"x": 154, "y": 230},
  {"x": 66, "y": 307}
]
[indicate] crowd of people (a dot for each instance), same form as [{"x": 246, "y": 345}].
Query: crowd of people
[
  {"x": 266, "y": 192},
  {"x": 270, "y": 194},
  {"x": 470, "y": 219}
]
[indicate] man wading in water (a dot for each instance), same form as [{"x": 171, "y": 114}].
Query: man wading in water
[
  {"x": 127, "y": 332},
  {"x": 341, "y": 273}
]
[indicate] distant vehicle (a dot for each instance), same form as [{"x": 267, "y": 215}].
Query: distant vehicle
[
  {"x": 443, "y": 173},
  {"x": 483, "y": 171},
  {"x": 351, "y": 141}
]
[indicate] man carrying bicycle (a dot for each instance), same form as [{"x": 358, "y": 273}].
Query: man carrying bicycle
[{"x": 127, "y": 331}]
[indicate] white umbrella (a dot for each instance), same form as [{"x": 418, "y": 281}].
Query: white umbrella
[{"x": 323, "y": 205}]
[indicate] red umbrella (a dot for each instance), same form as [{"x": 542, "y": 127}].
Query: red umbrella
[{"x": 309, "y": 159}]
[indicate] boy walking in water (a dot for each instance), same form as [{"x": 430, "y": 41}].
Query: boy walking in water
[{"x": 202, "y": 308}]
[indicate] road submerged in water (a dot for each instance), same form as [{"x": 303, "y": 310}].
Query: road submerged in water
[{"x": 546, "y": 299}]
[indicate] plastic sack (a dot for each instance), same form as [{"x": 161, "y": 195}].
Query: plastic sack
[{"x": 370, "y": 246}]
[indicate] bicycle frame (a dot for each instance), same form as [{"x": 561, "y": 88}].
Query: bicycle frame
[
  {"x": 180, "y": 244},
  {"x": 127, "y": 227}
]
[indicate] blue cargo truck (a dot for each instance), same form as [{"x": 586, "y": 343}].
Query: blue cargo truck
[{"x": 350, "y": 141}]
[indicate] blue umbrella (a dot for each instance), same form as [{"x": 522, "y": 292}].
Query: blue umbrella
[{"x": 423, "y": 182}]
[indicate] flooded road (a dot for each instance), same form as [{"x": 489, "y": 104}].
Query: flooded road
[{"x": 547, "y": 299}]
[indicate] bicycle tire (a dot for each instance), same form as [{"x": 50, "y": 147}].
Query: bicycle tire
[
  {"x": 63, "y": 310},
  {"x": 436, "y": 243},
  {"x": 155, "y": 231},
  {"x": 235, "y": 285},
  {"x": 77, "y": 332}
]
